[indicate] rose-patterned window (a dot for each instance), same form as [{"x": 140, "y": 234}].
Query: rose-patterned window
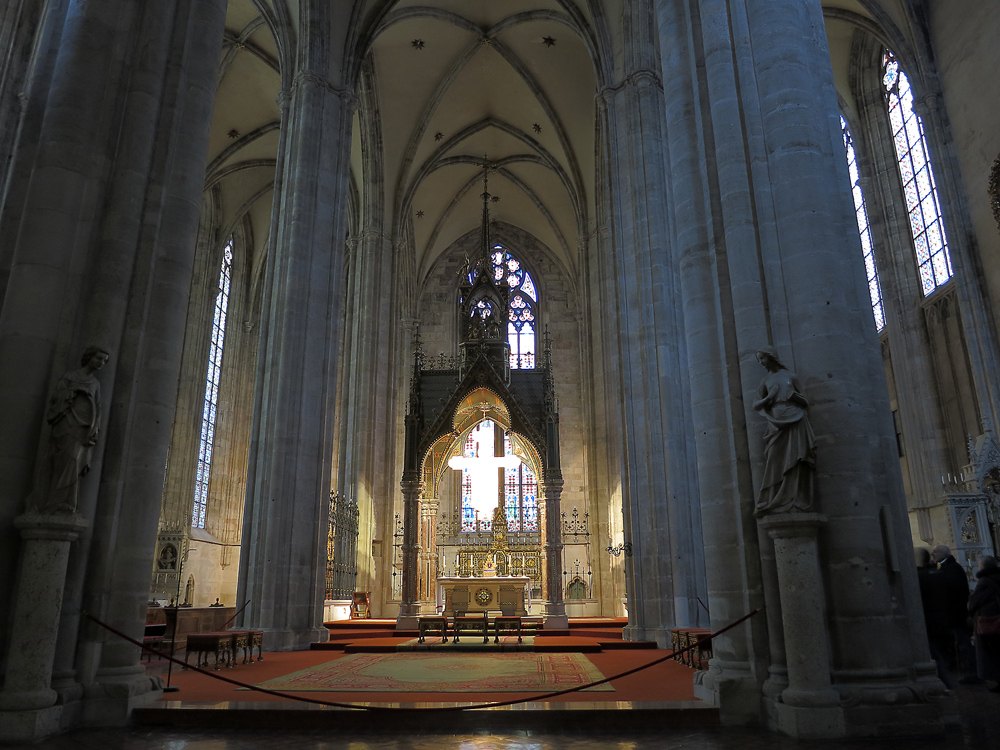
[{"x": 522, "y": 311}]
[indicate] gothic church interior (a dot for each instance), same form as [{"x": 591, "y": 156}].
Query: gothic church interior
[{"x": 267, "y": 214}]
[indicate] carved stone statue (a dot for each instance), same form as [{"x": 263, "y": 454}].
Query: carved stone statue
[
  {"x": 73, "y": 414},
  {"x": 789, "y": 443}
]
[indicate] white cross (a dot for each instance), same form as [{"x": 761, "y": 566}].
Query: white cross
[{"x": 483, "y": 473}]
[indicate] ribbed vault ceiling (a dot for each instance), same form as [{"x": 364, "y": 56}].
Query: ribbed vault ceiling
[
  {"x": 460, "y": 80},
  {"x": 444, "y": 83}
]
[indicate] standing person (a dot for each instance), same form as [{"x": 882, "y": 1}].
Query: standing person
[
  {"x": 934, "y": 600},
  {"x": 985, "y": 602},
  {"x": 956, "y": 591}
]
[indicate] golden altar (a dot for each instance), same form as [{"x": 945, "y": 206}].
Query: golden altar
[{"x": 504, "y": 594}]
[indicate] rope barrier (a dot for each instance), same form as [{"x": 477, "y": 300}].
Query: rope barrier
[{"x": 357, "y": 706}]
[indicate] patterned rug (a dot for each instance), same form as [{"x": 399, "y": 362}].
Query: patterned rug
[
  {"x": 444, "y": 673},
  {"x": 470, "y": 644}
]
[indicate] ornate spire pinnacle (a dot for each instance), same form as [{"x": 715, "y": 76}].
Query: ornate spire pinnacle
[{"x": 486, "y": 249}]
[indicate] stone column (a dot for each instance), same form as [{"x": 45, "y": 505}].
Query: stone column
[
  {"x": 713, "y": 215},
  {"x": 665, "y": 574},
  {"x": 27, "y": 703},
  {"x": 819, "y": 314},
  {"x": 428, "y": 554},
  {"x": 555, "y": 607},
  {"x": 409, "y": 610},
  {"x": 809, "y": 706},
  {"x": 52, "y": 253},
  {"x": 284, "y": 551},
  {"x": 152, "y": 319}
]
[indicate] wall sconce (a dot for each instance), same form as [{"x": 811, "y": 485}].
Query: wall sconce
[{"x": 625, "y": 547}]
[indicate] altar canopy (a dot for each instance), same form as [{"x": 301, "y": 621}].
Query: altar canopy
[{"x": 450, "y": 427}]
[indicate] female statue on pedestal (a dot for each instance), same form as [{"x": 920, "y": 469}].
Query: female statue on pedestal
[
  {"x": 73, "y": 414},
  {"x": 789, "y": 443}
]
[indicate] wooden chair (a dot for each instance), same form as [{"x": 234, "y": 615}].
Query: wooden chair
[{"x": 361, "y": 605}]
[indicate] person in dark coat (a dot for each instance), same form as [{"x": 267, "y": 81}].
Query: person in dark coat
[
  {"x": 934, "y": 600},
  {"x": 956, "y": 591},
  {"x": 985, "y": 602}
]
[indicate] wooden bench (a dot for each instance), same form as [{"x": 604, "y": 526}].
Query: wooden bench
[
  {"x": 247, "y": 640},
  {"x": 434, "y": 624},
  {"x": 696, "y": 658},
  {"x": 203, "y": 644},
  {"x": 506, "y": 622},
  {"x": 471, "y": 624}
]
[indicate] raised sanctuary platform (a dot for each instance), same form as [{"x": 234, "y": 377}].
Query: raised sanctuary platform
[{"x": 415, "y": 687}]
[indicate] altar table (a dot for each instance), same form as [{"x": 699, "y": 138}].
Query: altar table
[{"x": 457, "y": 595}]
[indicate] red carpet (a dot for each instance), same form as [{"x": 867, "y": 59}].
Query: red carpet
[{"x": 668, "y": 681}]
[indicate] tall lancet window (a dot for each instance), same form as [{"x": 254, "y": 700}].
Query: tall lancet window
[
  {"x": 861, "y": 213},
  {"x": 523, "y": 298},
  {"x": 207, "y": 441},
  {"x": 919, "y": 187},
  {"x": 520, "y": 493}
]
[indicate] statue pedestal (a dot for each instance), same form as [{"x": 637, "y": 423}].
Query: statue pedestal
[
  {"x": 27, "y": 703},
  {"x": 810, "y": 706}
]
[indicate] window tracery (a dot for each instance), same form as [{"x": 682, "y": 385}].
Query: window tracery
[
  {"x": 206, "y": 442},
  {"x": 923, "y": 205},
  {"x": 522, "y": 307},
  {"x": 864, "y": 229}
]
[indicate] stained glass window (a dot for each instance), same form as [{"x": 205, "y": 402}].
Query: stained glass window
[
  {"x": 861, "y": 214},
  {"x": 521, "y": 319},
  {"x": 922, "y": 203},
  {"x": 521, "y": 494},
  {"x": 207, "y": 441}
]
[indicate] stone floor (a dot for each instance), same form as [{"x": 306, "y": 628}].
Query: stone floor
[{"x": 980, "y": 730}]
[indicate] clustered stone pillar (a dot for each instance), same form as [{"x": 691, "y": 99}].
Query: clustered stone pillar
[
  {"x": 409, "y": 610},
  {"x": 658, "y": 484},
  {"x": 555, "y": 607},
  {"x": 27, "y": 703},
  {"x": 291, "y": 458}
]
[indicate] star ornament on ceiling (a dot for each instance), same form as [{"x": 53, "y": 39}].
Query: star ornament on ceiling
[
  {"x": 438, "y": 136},
  {"x": 537, "y": 128},
  {"x": 495, "y": 198},
  {"x": 420, "y": 214},
  {"x": 417, "y": 44},
  {"x": 549, "y": 41}
]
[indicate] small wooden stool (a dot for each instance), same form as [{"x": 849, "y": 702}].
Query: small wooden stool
[
  {"x": 506, "y": 622},
  {"x": 472, "y": 623},
  {"x": 434, "y": 624}
]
